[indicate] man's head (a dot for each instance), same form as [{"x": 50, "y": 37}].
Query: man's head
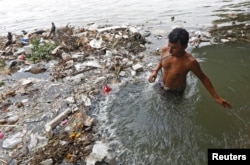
[
  {"x": 179, "y": 35},
  {"x": 178, "y": 41}
]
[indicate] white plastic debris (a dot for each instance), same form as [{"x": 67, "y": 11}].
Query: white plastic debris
[
  {"x": 28, "y": 49},
  {"x": 122, "y": 73},
  {"x": 224, "y": 40},
  {"x": 93, "y": 27},
  {"x": 56, "y": 50},
  {"x": 13, "y": 141},
  {"x": 47, "y": 162},
  {"x": 86, "y": 100},
  {"x": 96, "y": 43},
  {"x": 89, "y": 121},
  {"x": 112, "y": 28},
  {"x": 70, "y": 100},
  {"x": 26, "y": 81},
  {"x": 133, "y": 29},
  {"x": 92, "y": 64},
  {"x": 99, "y": 152},
  {"x": 133, "y": 73},
  {"x": 19, "y": 51},
  {"x": 33, "y": 141}
]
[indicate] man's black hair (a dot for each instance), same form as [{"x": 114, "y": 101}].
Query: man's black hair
[{"x": 179, "y": 34}]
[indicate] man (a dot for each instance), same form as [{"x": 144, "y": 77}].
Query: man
[{"x": 176, "y": 63}]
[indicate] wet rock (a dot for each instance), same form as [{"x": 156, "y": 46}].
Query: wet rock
[{"x": 37, "y": 70}]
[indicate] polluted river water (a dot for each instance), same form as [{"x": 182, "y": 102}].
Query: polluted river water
[{"x": 137, "y": 124}]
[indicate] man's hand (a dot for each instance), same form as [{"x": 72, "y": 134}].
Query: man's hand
[
  {"x": 224, "y": 103},
  {"x": 152, "y": 77}
]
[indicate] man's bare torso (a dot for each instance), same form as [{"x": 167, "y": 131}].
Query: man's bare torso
[{"x": 175, "y": 69}]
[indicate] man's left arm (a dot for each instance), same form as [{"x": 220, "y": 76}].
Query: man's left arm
[{"x": 196, "y": 69}]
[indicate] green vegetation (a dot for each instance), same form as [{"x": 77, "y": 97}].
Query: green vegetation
[
  {"x": 1, "y": 83},
  {"x": 2, "y": 63},
  {"x": 41, "y": 51}
]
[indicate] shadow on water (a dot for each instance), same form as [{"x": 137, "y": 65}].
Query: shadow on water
[{"x": 141, "y": 127}]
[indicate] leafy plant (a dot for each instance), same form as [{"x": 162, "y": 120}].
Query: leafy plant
[{"x": 41, "y": 51}]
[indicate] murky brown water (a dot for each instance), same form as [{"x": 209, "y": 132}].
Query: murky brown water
[{"x": 139, "y": 126}]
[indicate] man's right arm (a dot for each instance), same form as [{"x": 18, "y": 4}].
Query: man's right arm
[{"x": 155, "y": 71}]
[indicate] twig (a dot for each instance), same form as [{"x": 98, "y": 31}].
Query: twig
[
  {"x": 6, "y": 125},
  {"x": 85, "y": 70},
  {"x": 244, "y": 39}
]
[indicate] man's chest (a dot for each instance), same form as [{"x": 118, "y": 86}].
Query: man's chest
[{"x": 175, "y": 66}]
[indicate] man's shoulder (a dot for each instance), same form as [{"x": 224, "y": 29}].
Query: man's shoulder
[
  {"x": 164, "y": 49},
  {"x": 190, "y": 59},
  {"x": 190, "y": 56}
]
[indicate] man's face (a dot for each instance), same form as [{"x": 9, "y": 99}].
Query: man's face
[{"x": 176, "y": 49}]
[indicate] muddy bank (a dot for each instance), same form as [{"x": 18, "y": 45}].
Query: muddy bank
[{"x": 233, "y": 23}]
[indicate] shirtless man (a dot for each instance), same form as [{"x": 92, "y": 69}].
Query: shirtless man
[{"x": 176, "y": 63}]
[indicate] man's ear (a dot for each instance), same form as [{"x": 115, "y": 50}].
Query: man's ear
[{"x": 185, "y": 46}]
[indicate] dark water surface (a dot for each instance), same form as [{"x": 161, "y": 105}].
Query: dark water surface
[{"x": 140, "y": 127}]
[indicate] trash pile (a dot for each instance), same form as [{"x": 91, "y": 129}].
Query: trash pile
[{"x": 49, "y": 78}]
